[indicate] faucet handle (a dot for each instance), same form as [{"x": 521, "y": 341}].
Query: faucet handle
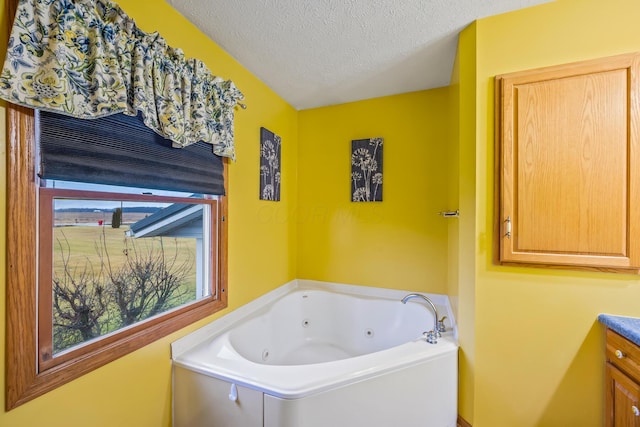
[
  {"x": 441, "y": 327},
  {"x": 431, "y": 337}
]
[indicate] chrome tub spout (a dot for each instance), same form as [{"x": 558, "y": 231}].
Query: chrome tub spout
[{"x": 431, "y": 336}]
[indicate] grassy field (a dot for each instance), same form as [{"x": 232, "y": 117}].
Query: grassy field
[
  {"x": 95, "y": 249},
  {"x": 84, "y": 245}
]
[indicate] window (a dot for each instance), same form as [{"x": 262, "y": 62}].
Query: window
[
  {"x": 110, "y": 261},
  {"x": 97, "y": 271}
]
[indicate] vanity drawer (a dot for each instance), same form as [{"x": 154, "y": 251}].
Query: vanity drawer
[{"x": 624, "y": 354}]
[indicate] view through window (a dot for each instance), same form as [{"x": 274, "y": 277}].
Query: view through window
[{"x": 119, "y": 256}]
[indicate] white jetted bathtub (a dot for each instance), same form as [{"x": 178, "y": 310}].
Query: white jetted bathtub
[{"x": 316, "y": 354}]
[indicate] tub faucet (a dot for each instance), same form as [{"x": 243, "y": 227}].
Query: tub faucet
[{"x": 432, "y": 336}]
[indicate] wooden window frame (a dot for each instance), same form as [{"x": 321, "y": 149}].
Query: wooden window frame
[
  {"x": 24, "y": 381},
  {"x": 46, "y": 359}
]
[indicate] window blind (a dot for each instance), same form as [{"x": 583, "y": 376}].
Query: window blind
[{"x": 121, "y": 150}]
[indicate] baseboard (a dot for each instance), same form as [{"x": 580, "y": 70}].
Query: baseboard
[{"x": 462, "y": 422}]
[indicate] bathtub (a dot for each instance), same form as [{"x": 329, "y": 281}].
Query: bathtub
[{"x": 313, "y": 354}]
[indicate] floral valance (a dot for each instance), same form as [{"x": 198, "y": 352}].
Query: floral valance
[{"x": 88, "y": 59}]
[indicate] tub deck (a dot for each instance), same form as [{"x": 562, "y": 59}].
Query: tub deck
[{"x": 218, "y": 359}]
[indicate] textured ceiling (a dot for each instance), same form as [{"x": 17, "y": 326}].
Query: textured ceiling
[{"x": 322, "y": 52}]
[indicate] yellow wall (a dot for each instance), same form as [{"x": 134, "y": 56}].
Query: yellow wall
[
  {"x": 136, "y": 389},
  {"x": 538, "y": 347},
  {"x": 398, "y": 243},
  {"x": 462, "y": 251}
]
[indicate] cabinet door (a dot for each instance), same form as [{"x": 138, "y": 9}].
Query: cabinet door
[
  {"x": 202, "y": 401},
  {"x": 568, "y": 165},
  {"x": 622, "y": 399}
]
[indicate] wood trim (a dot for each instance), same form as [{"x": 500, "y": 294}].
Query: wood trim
[
  {"x": 23, "y": 381},
  {"x": 462, "y": 422},
  {"x": 21, "y": 245},
  {"x": 20, "y": 329},
  {"x": 609, "y": 391},
  {"x": 497, "y": 172},
  {"x": 223, "y": 237},
  {"x": 45, "y": 294}
]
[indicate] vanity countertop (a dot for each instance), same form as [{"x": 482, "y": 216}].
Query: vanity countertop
[{"x": 628, "y": 327}]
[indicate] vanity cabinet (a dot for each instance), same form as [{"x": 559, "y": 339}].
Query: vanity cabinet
[
  {"x": 568, "y": 165},
  {"x": 622, "y": 382}
]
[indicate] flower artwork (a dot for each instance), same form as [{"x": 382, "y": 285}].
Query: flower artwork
[
  {"x": 366, "y": 170},
  {"x": 270, "y": 144}
]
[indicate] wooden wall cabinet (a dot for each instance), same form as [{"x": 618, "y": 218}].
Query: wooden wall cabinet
[
  {"x": 622, "y": 382},
  {"x": 567, "y": 165}
]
